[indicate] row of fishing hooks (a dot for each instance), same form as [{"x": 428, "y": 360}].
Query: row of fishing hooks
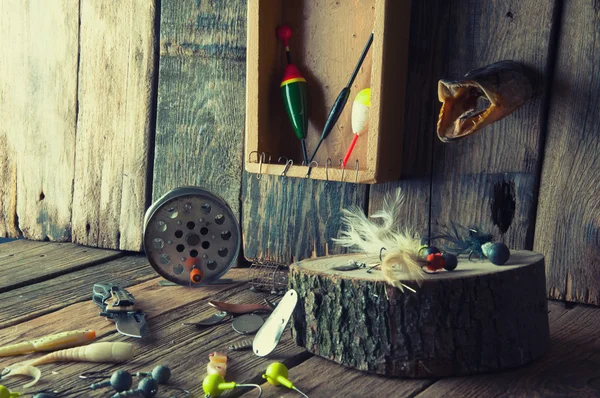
[{"x": 261, "y": 159}]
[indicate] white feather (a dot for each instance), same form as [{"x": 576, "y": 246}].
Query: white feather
[{"x": 401, "y": 245}]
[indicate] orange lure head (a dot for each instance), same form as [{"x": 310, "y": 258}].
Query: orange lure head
[{"x": 481, "y": 98}]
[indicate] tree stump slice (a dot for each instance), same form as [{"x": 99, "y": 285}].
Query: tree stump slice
[{"x": 478, "y": 318}]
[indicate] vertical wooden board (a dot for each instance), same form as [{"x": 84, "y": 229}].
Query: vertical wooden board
[
  {"x": 428, "y": 33},
  {"x": 38, "y": 88},
  {"x": 568, "y": 223},
  {"x": 117, "y": 40},
  {"x": 200, "y": 119},
  {"x": 489, "y": 180},
  {"x": 289, "y": 219}
]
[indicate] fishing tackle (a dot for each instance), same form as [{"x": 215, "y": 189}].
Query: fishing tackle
[
  {"x": 436, "y": 260},
  {"x": 288, "y": 164},
  {"x": 247, "y": 324},
  {"x": 268, "y": 336},
  {"x": 191, "y": 236},
  {"x": 238, "y": 309},
  {"x": 217, "y": 364},
  {"x": 212, "y": 320},
  {"x": 459, "y": 240},
  {"x": 277, "y": 375},
  {"x": 147, "y": 387},
  {"x": 427, "y": 250},
  {"x": 497, "y": 253},
  {"x": 214, "y": 385},
  {"x": 503, "y": 87},
  {"x": 268, "y": 276},
  {"x": 113, "y": 352},
  {"x": 241, "y": 345},
  {"x": 120, "y": 381},
  {"x": 161, "y": 374},
  {"x": 49, "y": 343},
  {"x": 340, "y": 102},
  {"x": 312, "y": 164},
  {"x": 294, "y": 90},
  {"x": 360, "y": 118},
  {"x": 23, "y": 370},
  {"x": 450, "y": 260},
  {"x": 352, "y": 265},
  {"x": 402, "y": 246},
  {"x": 6, "y": 393}
]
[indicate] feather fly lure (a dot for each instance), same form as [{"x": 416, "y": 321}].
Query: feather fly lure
[{"x": 370, "y": 237}]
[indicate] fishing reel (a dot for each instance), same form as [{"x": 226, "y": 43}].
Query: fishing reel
[{"x": 191, "y": 236}]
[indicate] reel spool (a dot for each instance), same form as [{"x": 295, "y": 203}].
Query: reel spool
[{"x": 191, "y": 236}]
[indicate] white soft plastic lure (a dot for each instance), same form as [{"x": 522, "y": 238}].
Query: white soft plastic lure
[
  {"x": 52, "y": 342},
  {"x": 112, "y": 352}
]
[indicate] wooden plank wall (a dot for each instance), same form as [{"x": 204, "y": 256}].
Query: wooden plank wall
[
  {"x": 115, "y": 96},
  {"x": 201, "y": 101},
  {"x": 76, "y": 93},
  {"x": 38, "y": 109},
  {"x": 568, "y": 222},
  {"x": 487, "y": 180},
  {"x": 490, "y": 180}
]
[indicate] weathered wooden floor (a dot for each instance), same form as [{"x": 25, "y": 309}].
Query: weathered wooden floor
[{"x": 46, "y": 287}]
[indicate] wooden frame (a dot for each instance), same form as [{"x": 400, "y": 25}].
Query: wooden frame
[{"x": 325, "y": 46}]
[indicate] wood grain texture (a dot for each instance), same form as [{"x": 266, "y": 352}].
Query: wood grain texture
[
  {"x": 38, "y": 94},
  {"x": 200, "y": 119},
  {"x": 426, "y": 43},
  {"x": 150, "y": 297},
  {"x": 64, "y": 290},
  {"x": 185, "y": 350},
  {"x": 571, "y": 368},
  {"x": 478, "y": 318},
  {"x": 568, "y": 221},
  {"x": 489, "y": 180},
  {"x": 289, "y": 219},
  {"x": 117, "y": 40},
  {"x": 317, "y": 377},
  {"x": 23, "y": 262}
]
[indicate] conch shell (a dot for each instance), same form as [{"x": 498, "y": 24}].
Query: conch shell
[{"x": 503, "y": 86}]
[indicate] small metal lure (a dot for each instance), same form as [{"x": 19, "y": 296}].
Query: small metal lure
[
  {"x": 268, "y": 336},
  {"x": 247, "y": 324},
  {"x": 215, "y": 319},
  {"x": 240, "y": 345},
  {"x": 352, "y": 265}
]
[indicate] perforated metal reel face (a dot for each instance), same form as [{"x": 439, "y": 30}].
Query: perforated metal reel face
[{"x": 191, "y": 236}]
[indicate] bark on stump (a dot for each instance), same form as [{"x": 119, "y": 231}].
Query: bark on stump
[{"x": 478, "y": 318}]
